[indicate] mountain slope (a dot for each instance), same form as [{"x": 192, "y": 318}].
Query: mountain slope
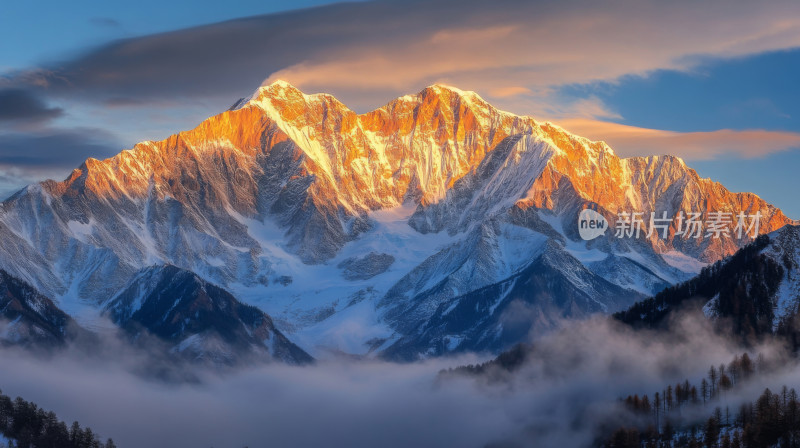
[
  {"x": 272, "y": 198},
  {"x": 28, "y": 318},
  {"x": 552, "y": 287},
  {"x": 201, "y": 320},
  {"x": 757, "y": 289}
]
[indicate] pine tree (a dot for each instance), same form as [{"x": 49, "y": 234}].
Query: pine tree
[
  {"x": 734, "y": 369},
  {"x": 686, "y": 390},
  {"x": 712, "y": 376},
  {"x": 737, "y": 440},
  {"x": 669, "y": 430},
  {"x": 746, "y": 366},
  {"x": 668, "y": 399},
  {"x": 656, "y": 408},
  {"x": 645, "y": 405},
  {"x": 725, "y": 382},
  {"x": 704, "y": 390},
  {"x": 76, "y": 435},
  {"x": 793, "y": 411},
  {"x": 726, "y": 441},
  {"x": 711, "y": 432},
  {"x": 784, "y": 396}
]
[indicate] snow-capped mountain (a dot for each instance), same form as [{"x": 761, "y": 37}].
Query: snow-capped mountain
[
  {"x": 364, "y": 232},
  {"x": 201, "y": 321}
]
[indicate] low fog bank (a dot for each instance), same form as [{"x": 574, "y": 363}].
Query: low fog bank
[{"x": 557, "y": 399}]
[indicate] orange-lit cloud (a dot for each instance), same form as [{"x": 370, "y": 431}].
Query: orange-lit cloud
[
  {"x": 514, "y": 51},
  {"x": 634, "y": 141},
  {"x": 472, "y": 36},
  {"x": 366, "y": 53},
  {"x": 505, "y": 92}
]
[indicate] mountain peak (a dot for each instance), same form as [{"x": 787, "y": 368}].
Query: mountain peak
[
  {"x": 279, "y": 87},
  {"x": 445, "y": 93},
  {"x": 281, "y": 94},
  {"x": 440, "y": 88},
  {"x": 280, "y": 83}
]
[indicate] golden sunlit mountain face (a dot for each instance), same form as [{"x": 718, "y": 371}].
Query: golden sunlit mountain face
[{"x": 417, "y": 146}]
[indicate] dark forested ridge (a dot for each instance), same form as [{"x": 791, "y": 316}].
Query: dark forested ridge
[
  {"x": 507, "y": 361},
  {"x": 742, "y": 285},
  {"x": 26, "y": 425}
]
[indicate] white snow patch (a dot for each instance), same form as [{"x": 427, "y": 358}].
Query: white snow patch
[
  {"x": 450, "y": 308},
  {"x": 216, "y": 262},
  {"x": 786, "y": 299},
  {"x": 683, "y": 262},
  {"x": 194, "y": 342},
  {"x": 710, "y": 308},
  {"x": 453, "y": 342},
  {"x": 81, "y": 231},
  {"x": 320, "y": 289}
]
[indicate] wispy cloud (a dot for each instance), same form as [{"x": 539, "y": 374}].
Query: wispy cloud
[
  {"x": 505, "y": 92},
  {"x": 23, "y": 107},
  {"x": 105, "y": 22},
  {"x": 53, "y": 148},
  {"x": 369, "y": 52},
  {"x": 635, "y": 141},
  {"x": 27, "y": 157}
]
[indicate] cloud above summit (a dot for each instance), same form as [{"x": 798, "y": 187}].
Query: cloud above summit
[{"x": 366, "y": 53}]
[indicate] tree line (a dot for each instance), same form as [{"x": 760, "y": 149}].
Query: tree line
[
  {"x": 773, "y": 420},
  {"x": 743, "y": 285},
  {"x": 28, "y": 426},
  {"x": 671, "y": 418}
]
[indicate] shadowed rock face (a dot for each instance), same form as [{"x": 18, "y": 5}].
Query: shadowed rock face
[
  {"x": 285, "y": 177},
  {"x": 366, "y": 267},
  {"x": 30, "y": 319},
  {"x": 201, "y": 321}
]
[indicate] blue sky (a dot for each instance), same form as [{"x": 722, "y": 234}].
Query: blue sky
[
  {"x": 713, "y": 83},
  {"x": 757, "y": 91},
  {"x": 35, "y": 31},
  {"x": 761, "y": 91}
]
